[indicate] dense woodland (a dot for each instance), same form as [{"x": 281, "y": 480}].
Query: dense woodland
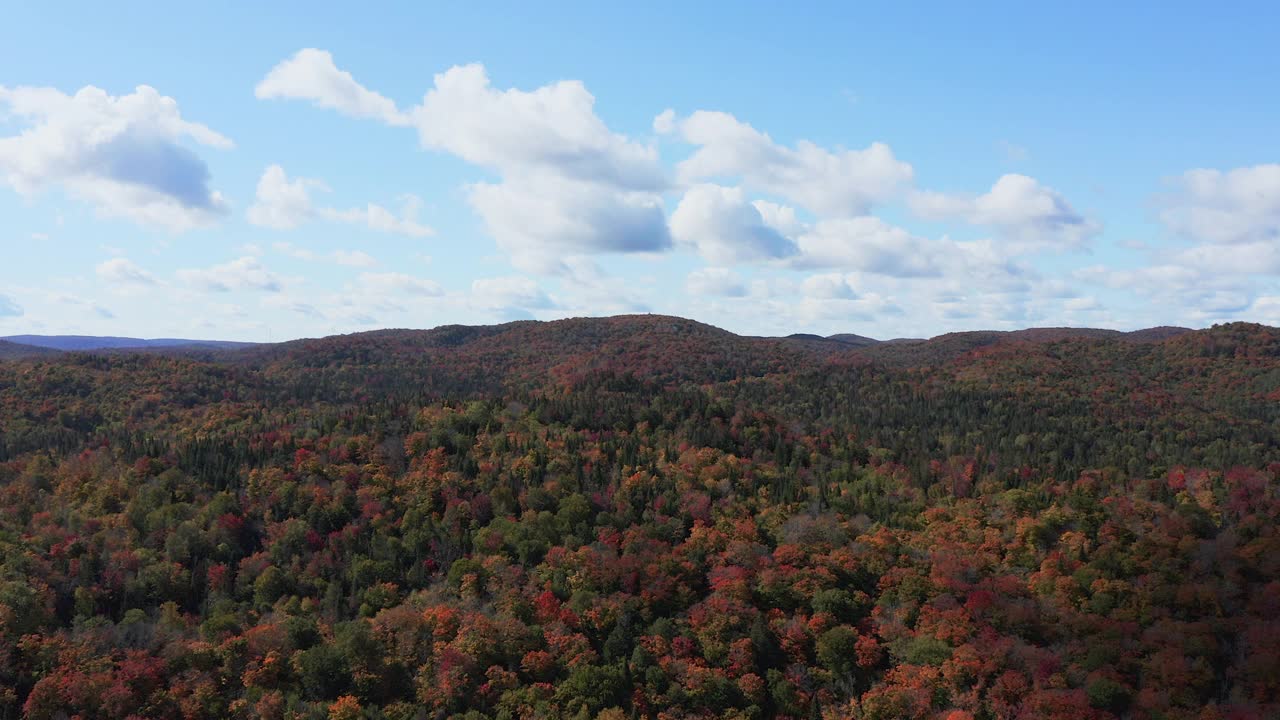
[{"x": 645, "y": 517}]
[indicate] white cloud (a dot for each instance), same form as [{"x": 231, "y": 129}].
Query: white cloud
[
  {"x": 1266, "y": 309},
  {"x": 867, "y": 244},
  {"x": 1144, "y": 278},
  {"x": 726, "y": 229},
  {"x": 124, "y": 155},
  {"x": 1223, "y": 303},
  {"x": 779, "y": 217},
  {"x": 563, "y": 187},
  {"x": 553, "y": 128},
  {"x": 569, "y": 185},
  {"x": 541, "y": 220},
  {"x": 510, "y": 293},
  {"x": 840, "y": 312},
  {"x": 1246, "y": 258},
  {"x": 400, "y": 283},
  {"x": 284, "y": 204},
  {"x": 1029, "y": 213},
  {"x": 719, "y": 282},
  {"x": 378, "y": 218},
  {"x": 828, "y": 286},
  {"x": 839, "y": 183},
  {"x": 1087, "y": 303},
  {"x": 586, "y": 289},
  {"x": 121, "y": 271},
  {"x": 312, "y": 75},
  {"x": 245, "y": 273},
  {"x": 1234, "y": 219},
  {"x": 1237, "y": 206},
  {"x": 1182, "y": 293}
]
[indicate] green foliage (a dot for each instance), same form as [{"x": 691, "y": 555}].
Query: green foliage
[{"x": 837, "y": 650}]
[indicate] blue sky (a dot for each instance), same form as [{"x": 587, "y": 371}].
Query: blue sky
[{"x": 310, "y": 169}]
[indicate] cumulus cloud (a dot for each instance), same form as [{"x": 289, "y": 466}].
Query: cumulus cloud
[
  {"x": 125, "y": 155},
  {"x": 563, "y": 187},
  {"x": 867, "y": 244},
  {"x": 540, "y": 221},
  {"x": 312, "y": 75},
  {"x": 553, "y": 128},
  {"x": 568, "y": 185},
  {"x": 716, "y": 282},
  {"x": 839, "y": 183},
  {"x": 121, "y": 271},
  {"x": 1026, "y": 211},
  {"x": 1235, "y": 207},
  {"x": 725, "y": 228},
  {"x": 245, "y": 273},
  {"x": 283, "y": 204}
]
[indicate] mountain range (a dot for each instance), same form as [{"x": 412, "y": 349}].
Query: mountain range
[
  {"x": 98, "y": 342},
  {"x": 19, "y": 346}
]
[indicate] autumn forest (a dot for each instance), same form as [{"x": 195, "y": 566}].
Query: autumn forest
[{"x": 645, "y": 517}]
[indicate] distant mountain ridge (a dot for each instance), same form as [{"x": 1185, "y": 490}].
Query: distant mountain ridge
[
  {"x": 72, "y": 343},
  {"x": 655, "y": 329},
  {"x": 18, "y": 351}
]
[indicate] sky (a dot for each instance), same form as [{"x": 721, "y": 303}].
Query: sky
[{"x": 892, "y": 170}]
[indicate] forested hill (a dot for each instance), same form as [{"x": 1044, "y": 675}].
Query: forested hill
[
  {"x": 17, "y": 351},
  {"x": 646, "y": 517}
]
